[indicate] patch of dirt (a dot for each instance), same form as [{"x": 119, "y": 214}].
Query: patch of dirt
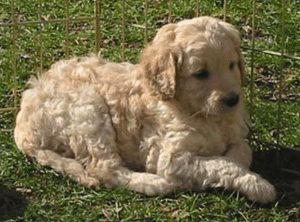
[
  {"x": 269, "y": 79},
  {"x": 12, "y": 204}
]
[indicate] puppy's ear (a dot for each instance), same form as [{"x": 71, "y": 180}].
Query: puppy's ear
[
  {"x": 235, "y": 37},
  {"x": 165, "y": 34},
  {"x": 160, "y": 64},
  {"x": 241, "y": 65}
]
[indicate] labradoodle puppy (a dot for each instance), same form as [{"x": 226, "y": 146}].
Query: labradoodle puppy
[{"x": 175, "y": 121}]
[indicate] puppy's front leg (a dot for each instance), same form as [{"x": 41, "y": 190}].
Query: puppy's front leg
[{"x": 196, "y": 172}]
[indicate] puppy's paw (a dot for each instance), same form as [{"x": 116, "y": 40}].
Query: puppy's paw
[
  {"x": 256, "y": 188},
  {"x": 151, "y": 185},
  {"x": 159, "y": 187},
  {"x": 90, "y": 182}
]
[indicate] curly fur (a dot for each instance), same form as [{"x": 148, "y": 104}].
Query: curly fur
[{"x": 152, "y": 127}]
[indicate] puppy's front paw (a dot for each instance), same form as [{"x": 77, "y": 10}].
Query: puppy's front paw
[
  {"x": 90, "y": 182},
  {"x": 150, "y": 184},
  {"x": 256, "y": 188},
  {"x": 158, "y": 187}
]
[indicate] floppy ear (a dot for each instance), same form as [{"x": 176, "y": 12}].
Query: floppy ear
[
  {"x": 241, "y": 65},
  {"x": 165, "y": 34},
  {"x": 160, "y": 64},
  {"x": 235, "y": 37}
]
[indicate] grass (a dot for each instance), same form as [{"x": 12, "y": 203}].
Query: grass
[{"x": 33, "y": 193}]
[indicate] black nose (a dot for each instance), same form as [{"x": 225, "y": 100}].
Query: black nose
[{"x": 232, "y": 99}]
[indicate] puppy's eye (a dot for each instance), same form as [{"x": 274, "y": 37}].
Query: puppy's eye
[
  {"x": 201, "y": 74},
  {"x": 232, "y": 66}
]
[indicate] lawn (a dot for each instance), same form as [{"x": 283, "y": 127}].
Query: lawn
[{"x": 29, "y": 192}]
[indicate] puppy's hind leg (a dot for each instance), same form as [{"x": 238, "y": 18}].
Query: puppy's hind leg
[
  {"x": 109, "y": 168},
  {"x": 67, "y": 166}
]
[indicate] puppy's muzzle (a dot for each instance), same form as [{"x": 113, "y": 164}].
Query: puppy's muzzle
[{"x": 231, "y": 100}]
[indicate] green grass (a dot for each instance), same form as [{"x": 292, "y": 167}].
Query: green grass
[{"x": 40, "y": 194}]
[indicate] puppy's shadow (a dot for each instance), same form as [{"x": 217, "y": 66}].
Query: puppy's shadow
[
  {"x": 12, "y": 204},
  {"x": 283, "y": 173}
]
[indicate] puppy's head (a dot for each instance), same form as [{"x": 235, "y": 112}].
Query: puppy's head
[{"x": 197, "y": 62}]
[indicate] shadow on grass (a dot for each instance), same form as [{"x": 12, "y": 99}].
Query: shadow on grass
[
  {"x": 12, "y": 204},
  {"x": 282, "y": 169}
]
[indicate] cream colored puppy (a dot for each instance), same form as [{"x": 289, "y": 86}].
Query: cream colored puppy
[{"x": 175, "y": 121}]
